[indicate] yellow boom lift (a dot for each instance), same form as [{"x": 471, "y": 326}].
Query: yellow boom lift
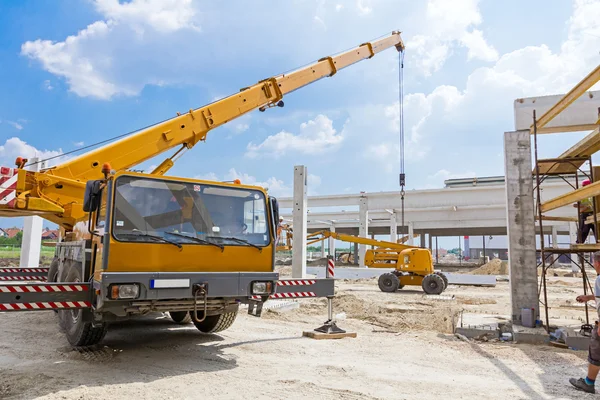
[
  {"x": 134, "y": 243},
  {"x": 413, "y": 266}
]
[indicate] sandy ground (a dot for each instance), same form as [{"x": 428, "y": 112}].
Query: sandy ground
[{"x": 404, "y": 350}]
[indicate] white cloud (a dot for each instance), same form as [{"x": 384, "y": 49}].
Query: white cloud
[
  {"x": 15, "y": 125},
  {"x": 338, "y": 7},
  {"x": 240, "y": 128},
  {"x": 48, "y": 85},
  {"x": 15, "y": 147},
  {"x": 78, "y": 144},
  {"x": 90, "y": 59},
  {"x": 315, "y": 137},
  {"x": 448, "y": 24},
  {"x": 276, "y": 187},
  {"x": 363, "y": 7},
  {"x": 160, "y": 15}
]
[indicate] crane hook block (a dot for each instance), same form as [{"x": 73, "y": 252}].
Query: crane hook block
[{"x": 403, "y": 180}]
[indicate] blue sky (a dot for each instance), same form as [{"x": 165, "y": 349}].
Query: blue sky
[{"x": 74, "y": 73}]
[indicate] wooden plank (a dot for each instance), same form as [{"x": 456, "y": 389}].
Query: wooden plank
[
  {"x": 321, "y": 336},
  {"x": 568, "y": 128},
  {"x": 587, "y": 247},
  {"x": 561, "y": 219},
  {"x": 590, "y": 80},
  {"x": 586, "y": 147},
  {"x": 576, "y": 195}
]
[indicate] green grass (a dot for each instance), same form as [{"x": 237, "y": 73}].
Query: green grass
[{"x": 15, "y": 252}]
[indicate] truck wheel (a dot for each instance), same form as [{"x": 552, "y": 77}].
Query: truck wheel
[
  {"x": 53, "y": 271},
  {"x": 444, "y": 277},
  {"x": 216, "y": 323},
  {"x": 388, "y": 282},
  {"x": 77, "y": 323},
  {"x": 180, "y": 317},
  {"x": 433, "y": 284}
]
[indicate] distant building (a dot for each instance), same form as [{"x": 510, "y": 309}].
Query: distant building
[
  {"x": 49, "y": 234},
  {"x": 11, "y": 232}
]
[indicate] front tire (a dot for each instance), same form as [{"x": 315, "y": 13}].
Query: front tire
[
  {"x": 76, "y": 323},
  {"x": 444, "y": 277},
  {"x": 216, "y": 323},
  {"x": 388, "y": 282},
  {"x": 433, "y": 284},
  {"x": 180, "y": 317}
]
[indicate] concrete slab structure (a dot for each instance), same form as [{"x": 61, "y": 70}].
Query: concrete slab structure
[{"x": 521, "y": 223}]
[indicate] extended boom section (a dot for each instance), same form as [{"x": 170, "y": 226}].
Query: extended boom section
[{"x": 57, "y": 193}]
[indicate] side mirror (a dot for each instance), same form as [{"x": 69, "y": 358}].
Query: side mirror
[
  {"x": 92, "y": 196},
  {"x": 274, "y": 214}
]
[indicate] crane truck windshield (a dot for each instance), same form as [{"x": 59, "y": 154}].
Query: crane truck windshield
[{"x": 188, "y": 213}]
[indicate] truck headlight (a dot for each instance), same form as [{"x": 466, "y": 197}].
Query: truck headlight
[
  {"x": 262, "y": 288},
  {"x": 127, "y": 291}
]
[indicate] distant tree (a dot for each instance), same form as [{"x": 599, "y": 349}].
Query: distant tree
[{"x": 19, "y": 238}]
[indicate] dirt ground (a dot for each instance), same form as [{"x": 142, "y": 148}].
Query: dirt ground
[{"x": 404, "y": 350}]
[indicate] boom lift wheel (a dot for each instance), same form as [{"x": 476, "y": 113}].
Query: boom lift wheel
[
  {"x": 77, "y": 324},
  {"x": 388, "y": 282},
  {"x": 444, "y": 277},
  {"x": 433, "y": 284},
  {"x": 180, "y": 317}
]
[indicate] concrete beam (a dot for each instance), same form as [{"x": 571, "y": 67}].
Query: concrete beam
[
  {"x": 300, "y": 222},
  {"x": 590, "y": 80},
  {"x": 521, "y": 223}
]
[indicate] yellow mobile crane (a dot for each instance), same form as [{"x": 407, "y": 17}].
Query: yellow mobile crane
[
  {"x": 412, "y": 265},
  {"x": 135, "y": 243}
]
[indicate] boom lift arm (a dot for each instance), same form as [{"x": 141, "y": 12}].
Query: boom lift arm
[{"x": 57, "y": 193}]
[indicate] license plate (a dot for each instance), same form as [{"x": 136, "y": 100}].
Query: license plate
[{"x": 169, "y": 283}]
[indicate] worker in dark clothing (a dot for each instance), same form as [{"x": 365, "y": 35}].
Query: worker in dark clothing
[
  {"x": 588, "y": 383},
  {"x": 586, "y": 209}
]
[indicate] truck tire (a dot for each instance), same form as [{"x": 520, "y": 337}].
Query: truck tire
[
  {"x": 180, "y": 317},
  {"x": 433, "y": 284},
  {"x": 388, "y": 282},
  {"x": 444, "y": 277},
  {"x": 53, "y": 270},
  {"x": 77, "y": 323},
  {"x": 216, "y": 323}
]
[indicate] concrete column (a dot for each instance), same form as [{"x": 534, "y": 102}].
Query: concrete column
[
  {"x": 555, "y": 244},
  {"x": 355, "y": 252},
  {"x": 331, "y": 242},
  {"x": 323, "y": 249},
  {"x": 573, "y": 237},
  {"x": 393, "y": 228},
  {"x": 521, "y": 223},
  {"x": 430, "y": 242},
  {"x": 422, "y": 240},
  {"x": 299, "y": 216},
  {"x": 363, "y": 229},
  {"x": 411, "y": 233},
  {"x": 32, "y": 232}
]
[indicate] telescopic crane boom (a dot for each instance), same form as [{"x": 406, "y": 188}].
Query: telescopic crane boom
[{"x": 57, "y": 193}]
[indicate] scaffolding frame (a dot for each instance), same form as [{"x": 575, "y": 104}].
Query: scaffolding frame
[{"x": 564, "y": 168}]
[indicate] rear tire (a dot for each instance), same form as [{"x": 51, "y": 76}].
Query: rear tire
[
  {"x": 216, "y": 323},
  {"x": 433, "y": 284},
  {"x": 74, "y": 322},
  {"x": 181, "y": 317},
  {"x": 388, "y": 282},
  {"x": 444, "y": 277},
  {"x": 53, "y": 271}
]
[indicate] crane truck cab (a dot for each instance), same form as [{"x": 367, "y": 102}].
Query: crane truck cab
[{"x": 193, "y": 248}]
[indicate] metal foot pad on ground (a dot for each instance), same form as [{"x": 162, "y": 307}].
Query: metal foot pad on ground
[{"x": 329, "y": 330}]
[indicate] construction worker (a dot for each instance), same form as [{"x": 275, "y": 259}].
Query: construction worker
[
  {"x": 586, "y": 209},
  {"x": 587, "y": 384}
]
